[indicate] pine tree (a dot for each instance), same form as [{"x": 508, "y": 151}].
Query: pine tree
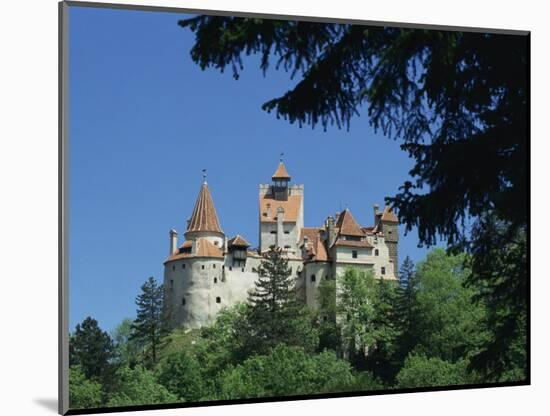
[
  {"x": 404, "y": 310},
  {"x": 275, "y": 315},
  {"x": 151, "y": 323},
  {"x": 92, "y": 349}
]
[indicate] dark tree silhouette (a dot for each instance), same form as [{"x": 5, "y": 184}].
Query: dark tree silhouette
[
  {"x": 92, "y": 349},
  {"x": 458, "y": 101}
]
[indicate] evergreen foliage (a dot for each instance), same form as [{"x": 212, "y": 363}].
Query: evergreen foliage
[
  {"x": 151, "y": 323},
  {"x": 91, "y": 348},
  {"x": 275, "y": 316}
]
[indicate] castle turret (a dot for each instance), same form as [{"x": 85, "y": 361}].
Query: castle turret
[
  {"x": 280, "y": 179},
  {"x": 204, "y": 219},
  {"x": 388, "y": 223}
]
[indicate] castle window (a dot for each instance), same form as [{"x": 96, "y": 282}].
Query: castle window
[
  {"x": 242, "y": 269},
  {"x": 287, "y": 232},
  {"x": 287, "y": 246},
  {"x": 273, "y": 232},
  {"x": 376, "y": 252},
  {"x": 215, "y": 243},
  {"x": 183, "y": 266},
  {"x": 218, "y": 300},
  {"x": 171, "y": 283},
  {"x": 173, "y": 267},
  {"x": 213, "y": 266},
  {"x": 313, "y": 278},
  {"x": 383, "y": 271},
  {"x": 354, "y": 254},
  {"x": 230, "y": 268},
  {"x": 223, "y": 267},
  {"x": 215, "y": 280},
  {"x": 182, "y": 301},
  {"x": 202, "y": 267}
]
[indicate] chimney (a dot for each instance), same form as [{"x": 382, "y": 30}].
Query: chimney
[
  {"x": 375, "y": 209},
  {"x": 173, "y": 241},
  {"x": 330, "y": 229},
  {"x": 280, "y": 215}
]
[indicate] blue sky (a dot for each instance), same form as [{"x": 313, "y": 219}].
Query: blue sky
[{"x": 145, "y": 120}]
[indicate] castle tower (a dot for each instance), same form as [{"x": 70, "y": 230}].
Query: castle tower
[
  {"x": 281, "y": 213},
  {"x": 387, "y": 223},
  {"x": 204, "y": 221}
]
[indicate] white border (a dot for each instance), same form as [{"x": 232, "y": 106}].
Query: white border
[{"x": 28, "y": 220}]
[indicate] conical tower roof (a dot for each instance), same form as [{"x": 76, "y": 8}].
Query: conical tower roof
[
  {"x": 281, "y": 172},
  {"x": 204, "y": 217},
  {"x": 347, "y": 224}
]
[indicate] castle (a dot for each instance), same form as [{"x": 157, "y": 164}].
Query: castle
[{"x": 210, "y": 271}]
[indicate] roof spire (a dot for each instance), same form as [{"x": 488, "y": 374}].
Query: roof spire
[
  {"x": 204, "y": 216},
  {"x": 281, "y": 172},
  {"x": 204, "y": 176}
]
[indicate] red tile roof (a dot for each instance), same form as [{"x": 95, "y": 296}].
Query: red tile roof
[
  {"x": 351, "y": 243},
  {"x": 315, "y": 245},
  {"x": 204, "y": 249},
  {"x": 291, "y": 206},
  {"x": 347, "y": 224},
  {"x": 388, "y": 215},
  {"x": 204, "y": 216},
  {"x": 281, "y": 172},
  {"x": 238, "y": 241}
]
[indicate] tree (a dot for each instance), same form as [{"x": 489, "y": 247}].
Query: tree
[
  {"x": 449, "y": 96},
  {"x": 125, "y": 348},
  {"x": 181, "y": 375},
  {"x": 285, "y": 371},
  {"x": 447, "y": 324},
  {"x": 275, "y": 315},
  {"x": 329, "y": 331},
  {"x": 83, "y": 393},
  {"x": 138, "y": 386},
  {"x": 499, "y": 278},
  {"x": 91, "y": 348},
  {"x": 225, "y": 342},
  {"x": 406, "y": 273},
  {"x": 151, "y": 323},
  {"x": 355, "y": 311},
  {"x": 421, "y": 371}
]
